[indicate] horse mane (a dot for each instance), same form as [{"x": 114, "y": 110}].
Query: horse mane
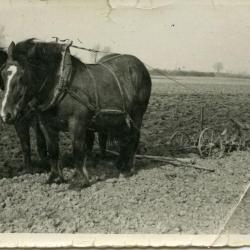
[
  {"x": 40, "y": 59},
  {"x": 37, "y": 54}
]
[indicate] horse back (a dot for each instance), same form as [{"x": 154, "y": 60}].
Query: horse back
[{"x": 132, "y": 75}]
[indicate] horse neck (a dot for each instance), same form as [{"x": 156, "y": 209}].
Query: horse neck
[
  {"x": 82, "y": 79},
  {"x": 45, "y": 82}
]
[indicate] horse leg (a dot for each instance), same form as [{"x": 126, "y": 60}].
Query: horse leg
[
  {"x": 102, "y": 138},
  {"x": 52, "y": 142},
  {"x": 56, "y": 174},
  {"x": 40, "y": 142},
  {"x": 23, "y": 133},
  {"x": 123, "y": 141},
  {"x": 80, "y": 157},
  {"x": 124, "y": 156},
  {"x": 131, "y": 147},
  {"x": 90, "y": 138}
]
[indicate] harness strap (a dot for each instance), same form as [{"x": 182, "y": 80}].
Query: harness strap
[
  {"x": 111, "y": 58},
  {"x": 85, "y": 102},
  {"x": 95, "y": 88},
  {"x": 64, "y": 74},
  {"x": 118, "y": 84}
]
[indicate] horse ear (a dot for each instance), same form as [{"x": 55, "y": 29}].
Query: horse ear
[{"x": 10, "y": 49}]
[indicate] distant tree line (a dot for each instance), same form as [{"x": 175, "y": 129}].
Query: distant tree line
[
  {"x": 235, "y": 75},
  {"x": 161, "y": 72}
]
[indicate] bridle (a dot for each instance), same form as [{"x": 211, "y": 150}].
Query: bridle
[{"x": 31, "y": 105}]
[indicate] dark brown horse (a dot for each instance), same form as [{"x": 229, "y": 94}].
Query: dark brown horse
[
  {"x": 23, "y": 128},
  {"x": 110, "y": 97}
]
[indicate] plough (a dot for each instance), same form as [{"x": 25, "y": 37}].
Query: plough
[{"x": 236, "y": 136}]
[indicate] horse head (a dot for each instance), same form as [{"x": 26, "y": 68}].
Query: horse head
[{"x": 28, "y": 66}]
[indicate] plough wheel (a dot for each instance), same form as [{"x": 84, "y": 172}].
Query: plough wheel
[
  {"x": 209, "y": 145},
  {"x": 180, "y": 140}
]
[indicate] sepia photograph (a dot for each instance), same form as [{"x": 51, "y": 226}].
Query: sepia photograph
[{"x": 123, "y": 118}]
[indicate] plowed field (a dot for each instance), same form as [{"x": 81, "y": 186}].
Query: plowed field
[{"x": 159, "y": 198}]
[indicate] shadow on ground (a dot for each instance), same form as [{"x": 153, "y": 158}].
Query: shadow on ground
[{"x": 99, "y": 168}]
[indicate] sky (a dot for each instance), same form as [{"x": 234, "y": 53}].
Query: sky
[{"x": 170, "y": 34}]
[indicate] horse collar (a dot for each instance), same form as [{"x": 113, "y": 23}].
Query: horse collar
[{"x": 64, "y": 75}]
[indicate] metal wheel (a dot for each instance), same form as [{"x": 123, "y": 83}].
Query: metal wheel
[
  {"x": 179, "y": 141},
  {"x": 209, "y": 145}
]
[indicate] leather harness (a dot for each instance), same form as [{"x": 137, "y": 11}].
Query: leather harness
[{"x": 65, "y": 75}]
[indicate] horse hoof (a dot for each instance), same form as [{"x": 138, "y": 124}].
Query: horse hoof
[
  {"x": 126, "y": 174},
  {"x": 78, "y": 186},
  {"x": 49, "y": 181},
  {"x": 56, "y": 180},
  {"x": 27, "y": 170},
  {"x": 52, "y": 178},
  {"x": 85, "y": 184},
  {"x": 59, "y": 180}
]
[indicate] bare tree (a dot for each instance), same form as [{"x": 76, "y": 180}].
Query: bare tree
[{"x": 218, "y": 67}]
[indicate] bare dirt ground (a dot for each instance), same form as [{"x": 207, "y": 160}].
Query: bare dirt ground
[{"x": 159, "y": 198}]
